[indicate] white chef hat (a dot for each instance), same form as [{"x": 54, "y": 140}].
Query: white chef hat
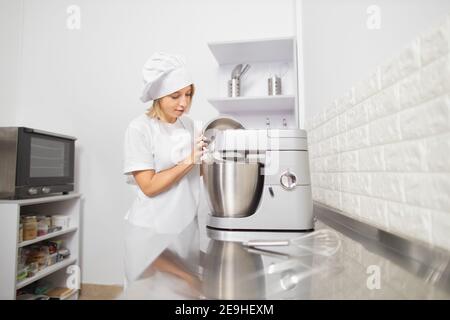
[{"x": 163, "y": 74}]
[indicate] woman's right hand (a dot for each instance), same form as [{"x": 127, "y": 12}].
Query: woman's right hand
[
  {"x": 195, "y": 285},
  {"x": 199, "y": 148}
]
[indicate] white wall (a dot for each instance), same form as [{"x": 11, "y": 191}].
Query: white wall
[
  {"x": 87, "y": 82},
  {"x": 10, "y": 40},
  {"x": 381, "y": 155},
  {"x": 340, "y": 50}
]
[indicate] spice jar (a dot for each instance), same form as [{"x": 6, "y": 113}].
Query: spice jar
[
  {"x": 40, "y": 255},
  {"x": 61, "y": 221},
  {"x": 63, "y": 254},
  {"x": 45, "y": 220},
  {"x": 30, "y": 227},
  {"x": 42, "y": 228}
]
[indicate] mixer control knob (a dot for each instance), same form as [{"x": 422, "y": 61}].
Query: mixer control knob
[{"x": 288, "y": 180}]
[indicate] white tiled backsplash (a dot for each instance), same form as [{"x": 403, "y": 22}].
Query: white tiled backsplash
[{"x": 381, "y": 153}]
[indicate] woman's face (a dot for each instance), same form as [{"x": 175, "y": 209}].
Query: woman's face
[{"x": 175, "y": 104}]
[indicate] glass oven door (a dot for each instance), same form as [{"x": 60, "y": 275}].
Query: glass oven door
[{"x": 44, "y": 159}]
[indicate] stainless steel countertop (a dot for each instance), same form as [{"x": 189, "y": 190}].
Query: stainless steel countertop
[{"x": 370, "y": 264}]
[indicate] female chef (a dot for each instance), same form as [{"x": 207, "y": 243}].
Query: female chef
[{"x": 162, "y": 153}]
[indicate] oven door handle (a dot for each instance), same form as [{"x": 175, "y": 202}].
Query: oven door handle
[{"x": 29, "y": 130}]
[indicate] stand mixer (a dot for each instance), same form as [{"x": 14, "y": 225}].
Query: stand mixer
[{"x": 257, "y": 179}]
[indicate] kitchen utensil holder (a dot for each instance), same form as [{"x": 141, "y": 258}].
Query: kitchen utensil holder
[
  {"x": 234, "y": 88},
  {"x": 274, "y": 85}
]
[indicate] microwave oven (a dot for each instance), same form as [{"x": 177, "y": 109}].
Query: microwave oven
[{"x": 35, "y": 163}]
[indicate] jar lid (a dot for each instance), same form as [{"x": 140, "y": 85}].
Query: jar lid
[
  {"x": 59, "y": 216},
  {"x": 63, "y": 252},
  {"x": 29, "y": 218}
]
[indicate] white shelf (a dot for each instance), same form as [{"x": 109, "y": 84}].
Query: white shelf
[
  {"x": 280, "y": 103},
  {"x": 25, "y": 202},
  {"x": 47, "y": 236},
  {"x": 279, "y": 49},
  {"x": 45, "y": 272}
]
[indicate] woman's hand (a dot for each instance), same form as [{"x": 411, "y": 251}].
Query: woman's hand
[
  {"x": 199, "y": 148},
  {"x": 195, "y": 285}
]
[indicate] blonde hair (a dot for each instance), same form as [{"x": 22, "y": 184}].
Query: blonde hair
[{"x": 155, "y": 110}]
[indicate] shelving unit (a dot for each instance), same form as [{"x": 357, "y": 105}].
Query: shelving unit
[
  {"x": 252, "y": 104},
  {"x": 10, "y": 211},
  {"x": 266, "y": 57}
]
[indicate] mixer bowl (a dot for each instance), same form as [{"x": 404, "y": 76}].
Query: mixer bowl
[
  {"x": 219, "y": 124},
  {"x": 234, "y": 189},
  {"x": 223, "y": 123}
]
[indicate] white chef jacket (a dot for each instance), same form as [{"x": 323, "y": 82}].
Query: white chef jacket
[
  {"x": 154, "y": 144},
  {"x": 167, "y": 220}
]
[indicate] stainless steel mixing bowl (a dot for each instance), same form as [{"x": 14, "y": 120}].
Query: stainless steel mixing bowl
[
  {"x": 220, "y": 123},
  {"x": 234, "y": 189},
  {"x": 223, "y": 123}
]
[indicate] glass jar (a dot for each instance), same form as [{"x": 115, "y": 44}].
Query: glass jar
[
  {"x": 42, "y": 228},
  {"x": 45, "y": 220},
  {"x": 30, "y": 227}
]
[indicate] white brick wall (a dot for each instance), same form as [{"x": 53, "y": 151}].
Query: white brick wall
[{"x": 381, "y": 152}]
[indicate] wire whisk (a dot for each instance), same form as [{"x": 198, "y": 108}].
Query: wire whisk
[{"x": 324, "y": 242}]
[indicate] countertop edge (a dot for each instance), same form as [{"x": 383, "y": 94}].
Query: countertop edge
[{"x": 430, "y": 263}]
